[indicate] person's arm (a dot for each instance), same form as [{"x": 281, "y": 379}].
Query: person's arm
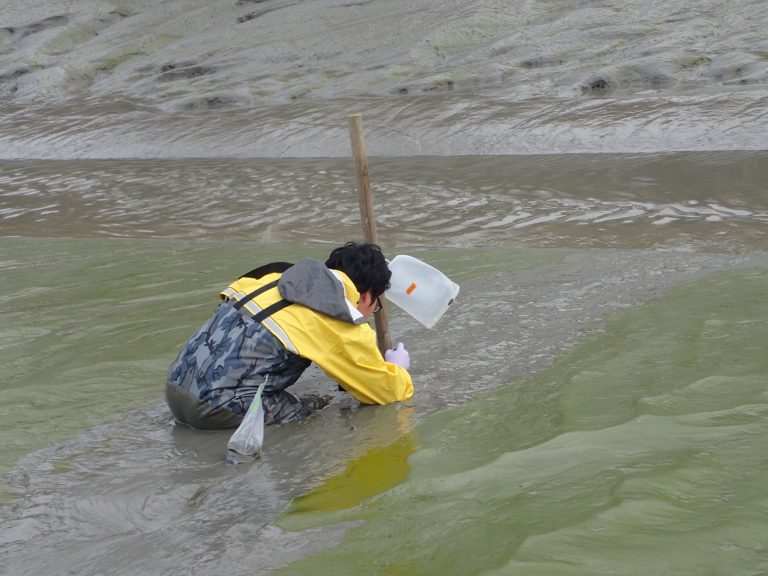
[{"x": 354, "y": 361}]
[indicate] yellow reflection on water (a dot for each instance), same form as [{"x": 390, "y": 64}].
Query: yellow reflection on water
[{"x": 372, "y": 473}]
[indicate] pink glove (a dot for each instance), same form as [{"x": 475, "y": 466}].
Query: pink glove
[{"x": 398, "y": 356}]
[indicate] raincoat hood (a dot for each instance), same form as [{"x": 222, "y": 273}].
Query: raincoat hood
[{"x": 312, "y": 284}]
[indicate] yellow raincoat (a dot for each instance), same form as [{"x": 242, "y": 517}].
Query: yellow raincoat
[{"x": 323, "y": 325}]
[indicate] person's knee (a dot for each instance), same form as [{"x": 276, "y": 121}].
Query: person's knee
[
  {"x": 281, "y": 407},
  {"x": 176, "y": 400},
  {"x": 188, "y": 409}
]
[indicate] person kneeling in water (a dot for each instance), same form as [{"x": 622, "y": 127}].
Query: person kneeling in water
[{"x": 275, "y": 321}]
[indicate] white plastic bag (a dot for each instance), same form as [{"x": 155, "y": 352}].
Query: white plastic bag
[{"x": 249, "y": 436}]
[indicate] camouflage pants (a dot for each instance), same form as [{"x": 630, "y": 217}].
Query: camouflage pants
[
  {"x": 213, "y": 380},
  {"x": 187, "y": 408}
]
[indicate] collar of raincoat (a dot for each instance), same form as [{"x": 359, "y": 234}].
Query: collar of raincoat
[{"x": 312, "y": 284}]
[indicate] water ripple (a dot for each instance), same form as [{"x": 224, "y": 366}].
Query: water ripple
[{"x": 662, "y": 201}]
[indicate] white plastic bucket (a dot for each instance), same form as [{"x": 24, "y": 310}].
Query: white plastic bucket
[{"x": 420, "y": 290}]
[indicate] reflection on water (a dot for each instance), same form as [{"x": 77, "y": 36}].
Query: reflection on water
[
  {"x": 690, "y": 201},
  {"x": 378, "y": 470}
]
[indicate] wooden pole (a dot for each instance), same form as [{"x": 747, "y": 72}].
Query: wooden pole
[{"x": 360, "y": 157}]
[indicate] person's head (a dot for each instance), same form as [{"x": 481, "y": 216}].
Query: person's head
[{"x": 366, "y": 267}]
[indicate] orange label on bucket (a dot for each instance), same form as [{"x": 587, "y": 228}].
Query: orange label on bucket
[{"x": 411, "y": 288}]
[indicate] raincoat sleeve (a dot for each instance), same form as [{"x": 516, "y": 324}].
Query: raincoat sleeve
[{"x": 354, "y": 361}]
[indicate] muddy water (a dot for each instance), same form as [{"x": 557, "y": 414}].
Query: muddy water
[
  {"x": 276, "y": 78},
  {"x": 566, "y": 435},
  {"x": 705, "y": 201},
  {"x": 638, "y": 452},
  {"x": 592, "y": 174}
]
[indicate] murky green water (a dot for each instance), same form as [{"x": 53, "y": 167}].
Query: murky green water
[
  {"x": 592, "y": 174},
  {"x": 641, "y": 451},
  {"x": 542, "y": 436},
  {"x": 89, "y": 326}
]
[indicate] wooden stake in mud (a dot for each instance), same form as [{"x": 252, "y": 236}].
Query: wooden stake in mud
[{"x": 360, "y": 156}]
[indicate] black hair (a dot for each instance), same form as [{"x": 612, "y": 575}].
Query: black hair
[{"x": 364, "y": 264}]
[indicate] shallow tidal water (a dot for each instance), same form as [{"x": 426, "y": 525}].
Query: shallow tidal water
[
  {"x": 593, "y": 175},
  {"x": 594, "y": 402},
  {"x": 637, "y": 452}
]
